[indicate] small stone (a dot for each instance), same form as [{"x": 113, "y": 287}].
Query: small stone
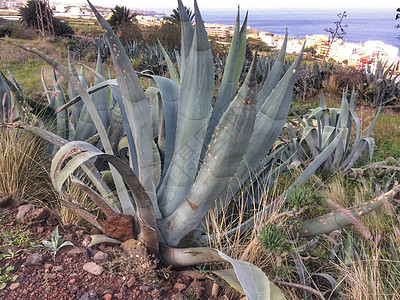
[
  {"x": 9, "y": 248},
  {"x": 48, "y": 266},
  {"x": 91, "y": 295},
  {"x": 69, "y": 237},
  {"x": 93, "y": 268},
  {"x": 178, "y": 296},
  {"x": 40, "y": 214},
  {"x": 58, "y": 269},
  {"x": 52, "y": 220},
  {"x": 155, "y": 292},
  {"x": 73, "y": 289},
  {"x": 5, "y": 200},
  {"x": 107, "y": 297},
  {"x": 23, "y": 210},
  {"x": 133, "y": 248},
  {"x": 34, "y": 259},
  {"x": 14, "y": 286},
  {"x": 16, "y": 202},
  {"x": 72, "y": 281},
  {"x": 86, "y": 240},
  {"x": 131, "y": 282},
  {"x": 146, "y": 288},
  {"x": 179, "y": 286},
  {"x": 75, "y": 251},
  {"x": 100, "y": 256}
]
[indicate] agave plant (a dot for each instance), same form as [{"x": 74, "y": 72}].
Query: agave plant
[
  {"x": 321, "y": 126},
  {"x": 382, "y": 87}
]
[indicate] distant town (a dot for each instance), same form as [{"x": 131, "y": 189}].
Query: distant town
[{"x": 351, "y": 54}]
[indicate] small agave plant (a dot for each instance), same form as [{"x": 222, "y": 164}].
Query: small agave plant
[{"x": 321, "y": 126}]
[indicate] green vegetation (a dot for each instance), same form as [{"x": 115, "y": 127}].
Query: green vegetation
[
  {"x": 55, "y": 244},
  {"x": 6, "y": 277}
]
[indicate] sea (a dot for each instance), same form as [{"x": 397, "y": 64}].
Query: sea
[{"x": 362, "y": 24}]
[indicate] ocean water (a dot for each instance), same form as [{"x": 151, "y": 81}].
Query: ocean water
[{"x": 363, "y": 24}]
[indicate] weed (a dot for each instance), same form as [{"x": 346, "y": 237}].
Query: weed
[
  {"x": 10, "y": 254},
  {"x": 144, "y": 268},
  {"x": 6, "y": 277}
]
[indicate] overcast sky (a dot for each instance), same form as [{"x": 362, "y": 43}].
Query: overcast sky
[{"x": 227, "y": 4}]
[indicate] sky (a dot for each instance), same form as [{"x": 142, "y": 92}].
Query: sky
[{"x": 168, "y": 5}]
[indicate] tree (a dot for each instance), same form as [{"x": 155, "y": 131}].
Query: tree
[
  {"x": 29, "y": 18},
  {"x": 125, "y": 24},
  {"x": 337, "y": 32},
  {"x": 120, "y": 15},
  {"x": 175, "y": 18}
]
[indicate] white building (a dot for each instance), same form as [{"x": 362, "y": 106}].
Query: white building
[{"x": 380, "y": 50}]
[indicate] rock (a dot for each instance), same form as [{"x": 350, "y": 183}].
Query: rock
[
  {"x": 5, "y": 200},
  {"x": 100, "y": 256},
  {"x": 146, "y": 288},
  {"x": 107, "y": 297},
  {"x": 86, "y": 240},
  {"x": 73, "y": 289},
  {"x": 75, "y": 251},
  {"x": 23, "y": 210},
  {"x": 178, "y": 296},
  {"x": 69, "y": 237},
  {"x": 193, "y": 274},
  {"x": 14, "y": 286},
  {"x": 58, "y": 269},
  {"x": 48, "y": 266},
  {"x": 9, "y": 248},
  {"x": 131, "y": 282},
  {"x": 93, "y": 268},
  {"x": 133, "y": 248},
  {"x": 155, "y": 292},
  {"x": 179, "y": 286},
  {"x": 40, "y": 214},
  {"x": 52, "y": 220},
  {"x": 91, "y": 295},
  {"x": 34, "y": 259},
  {"x": 16, "y": 202}
]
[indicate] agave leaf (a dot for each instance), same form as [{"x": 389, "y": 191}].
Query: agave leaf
[
  {"x": 241, "y": 53},
  {"x": 136, "y": 106},
  {"x": 196, "y": 91},
  {"x": 100, "y": 238},
  {"x": 62, "y": 117},
  {"x": 227, "y": 90},
  {"x": 173, "y": 73},
  {"x": 338, "y": 220},
  {"x": 100, "y": 98},
  {"x": 187, "y": 34},
  {"x": 273, "y": 76},
  {"x": 5, "y": 99},
  {"x": 269, "y": 123},
  {"x": 77, "y": 108},
  {"x": 38, "y": 109},
  {"x": 220, "y": 164},
  {"x": 122, "y": 192},
  {"x": 230, "y": 277},
  {"x": 82, "y": 152},
  {"x": 253, "y": 281}
]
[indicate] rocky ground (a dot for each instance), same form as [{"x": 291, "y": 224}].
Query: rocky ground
[{"x": 81, "y": 271}]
